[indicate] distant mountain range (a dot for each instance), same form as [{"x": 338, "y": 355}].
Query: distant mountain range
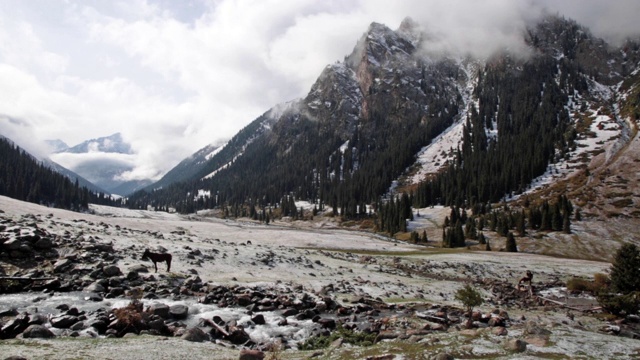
[
  {"x": 94, "y": 160},
  {"x": 108, "y": 144}
]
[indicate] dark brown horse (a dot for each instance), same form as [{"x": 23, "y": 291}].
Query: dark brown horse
[{"x": 157, "y": 257}]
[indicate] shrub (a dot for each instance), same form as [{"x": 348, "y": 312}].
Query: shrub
[
  {"x": 130, "y": 315},
  {"x": 470, "y": 298},
  {"x": 601, "y": 281},
  {"x": 579, "y": 284},
  {"x": 625, "y": 270},
  {"x": 620, "y": 304}
]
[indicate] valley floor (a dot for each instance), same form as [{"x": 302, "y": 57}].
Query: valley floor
[{"x": 352, "y": 264}]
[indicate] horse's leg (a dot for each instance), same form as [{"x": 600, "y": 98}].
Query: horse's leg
[
  {"x": 168, "y": 264},
  {"x": 155, "y": 265}
]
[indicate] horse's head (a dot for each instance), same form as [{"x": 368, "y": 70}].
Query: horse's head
[{"x": 145, "y": 254}]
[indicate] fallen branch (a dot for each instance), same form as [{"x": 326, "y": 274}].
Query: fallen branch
[
  {"x": 563, "y": 304},
  {"x": 215, "y": 326},
  {"x": 432, "y": 318}
]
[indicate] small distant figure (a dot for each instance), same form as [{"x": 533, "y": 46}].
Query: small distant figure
[
  {"x": 157, "y": 257},
  {"x": 526, "y": 279}
]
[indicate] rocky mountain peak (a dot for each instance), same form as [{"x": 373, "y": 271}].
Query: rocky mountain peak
[
  {"x": 108, "y": 144},
  {"x": 410, "y": 30}
]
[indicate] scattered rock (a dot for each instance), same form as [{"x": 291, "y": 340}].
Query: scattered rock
[
  {"x": 258, "y": 319},
  {"x": 539, "y": 341},
  {"x": 532, "y": 328},
  {"x": 516, "y": 345},
  {"x": 444, "y": 356},
  {"x": 499, "y": 331},
  {"x": 251, "y": 355}
]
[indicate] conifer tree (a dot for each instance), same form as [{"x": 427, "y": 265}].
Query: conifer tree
[
  {"x": 481, "y": 239},
  {"x": 625, "y": 269},
  {"x": 511, "y": 243},
  {"x": 520, "y": 224},
  {"x": 566, "y": 224}
]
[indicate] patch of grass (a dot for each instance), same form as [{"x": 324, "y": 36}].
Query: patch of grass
[
  {"x": 22, "y": 342},
  {"x": 397, "y": 300},
  {"x": 348, "y": 336},
  {"x": 403, "y": 349},
  {"x": 426, "y": 251}
]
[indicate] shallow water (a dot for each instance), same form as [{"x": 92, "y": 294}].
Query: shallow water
[{"x": 294, "y": 331}]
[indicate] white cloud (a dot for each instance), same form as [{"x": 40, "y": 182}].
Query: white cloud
[{"x": 175, "y": 76}]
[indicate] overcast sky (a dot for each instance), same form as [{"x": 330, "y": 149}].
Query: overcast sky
[{"x": 174, "y": 76}]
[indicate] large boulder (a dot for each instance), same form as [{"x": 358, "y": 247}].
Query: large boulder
[
  {"x": 13, "y": 244},
  {"x": 160, "y": 309},
  {"x": 195, "y": 334},
  {"x": 238, "y": 336},
  {"x": 64, "y": 321},
  {"x": 62, "y": 265},
  {"x": 37, "y": 332},
  {"x": 139, "y": 269},
  {"x": 95, "y": 287},
  {"x": 179, "y": 311},
  {"x": 111, "y": 270},
  {"x": 43, "y": 244},
  {"x": 14, "y": 327}
]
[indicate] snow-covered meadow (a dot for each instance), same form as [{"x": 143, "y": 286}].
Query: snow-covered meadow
[{"x": 351, "y": 263}]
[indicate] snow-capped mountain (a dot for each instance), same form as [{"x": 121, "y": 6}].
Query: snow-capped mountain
[
  {"x": 395, "y": 115},
  {"x": 188, "y": 167},
  {"x": 108, "y": 144},
  {"x": 56, "y": 145},
  {"x": 103, "y": 161}
]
